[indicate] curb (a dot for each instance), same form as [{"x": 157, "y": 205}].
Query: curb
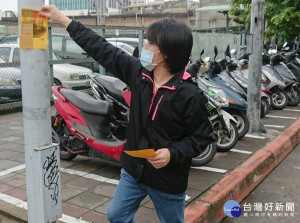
[{"x": 237, "y": 184}]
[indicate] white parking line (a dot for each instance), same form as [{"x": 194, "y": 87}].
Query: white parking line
[
  {"x": 275, "y": 126},
  {"x": 284, "y": 117},
  {"x": 212, "y": 169},
  {"x": 287, "y": 109},
  {"x": 90, "y": 176},
  {"x": 240, "y": 151},
  {"x": 8, "y": 171},
  {"x": 23, "y": 204},
  {"x": 254, "y": 136}
]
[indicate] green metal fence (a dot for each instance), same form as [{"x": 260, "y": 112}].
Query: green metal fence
[{"x": 69, "y": 65}]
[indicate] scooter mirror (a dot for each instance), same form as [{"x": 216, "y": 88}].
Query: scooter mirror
[
  {"x": 284, "y": 45},
  {"x": 227, "y": 53},
  {"x": 201, "y": 52},
  {"x": 216, "y": 52}
]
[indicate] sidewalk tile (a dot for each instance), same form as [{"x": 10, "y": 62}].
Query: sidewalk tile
[
  {"x": 104, "y": 189},
  {"x": 6, "y": 164},
  {"x": 82, "y": 183},
  {"x": 7, "y": 176},
  {"x": 73, "y": 211},
  {"x": 17, "y": 180},
  {"x": 66, "y": 177},
  {"x": 109, "y": 171},
  {"x": 17, "y": 193},
  {"x": 95, "y": 217},
  {"x": 69, "y": 192},
  {"x": 88, "y": 200},
  {"x": 11, "y": 139},
  {"x": 103, "y": 208},
  {"x": 4, "y": 187},
  {"x": 146, "y": 215}
]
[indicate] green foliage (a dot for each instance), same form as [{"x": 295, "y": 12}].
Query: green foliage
[{"x": 282, "y": 17}]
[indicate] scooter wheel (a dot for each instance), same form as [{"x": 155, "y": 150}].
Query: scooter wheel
[
  {"x": 279, "y": 99},
  {"x": 293, "y": 93},
  {"x": 242, "y": 122},
  {"x": 225, "y": 142},
  {"x": 265, "y": 107},
  {"x": 206, "y": 156}
]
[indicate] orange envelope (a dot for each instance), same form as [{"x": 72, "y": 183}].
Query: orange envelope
[{"x": 144, "y": 153}]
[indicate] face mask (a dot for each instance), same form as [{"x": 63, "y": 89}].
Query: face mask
[{"x": 146, "y": 59}]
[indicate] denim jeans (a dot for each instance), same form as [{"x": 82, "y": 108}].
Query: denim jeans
[{"x": 130, "y": 193}]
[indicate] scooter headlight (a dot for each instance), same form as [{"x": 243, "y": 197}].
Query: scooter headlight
[{"x": 218, "y": 95}]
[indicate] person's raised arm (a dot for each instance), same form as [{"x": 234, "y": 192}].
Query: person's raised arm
[{"x": 122, "y": 65}]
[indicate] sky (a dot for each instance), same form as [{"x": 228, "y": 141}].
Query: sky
[{"x": 10, "y": 5}]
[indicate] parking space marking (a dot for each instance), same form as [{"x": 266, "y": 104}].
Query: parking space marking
[
  {"x": 212, "y": 169},
  {"x": 90, "y": 176},
  {"x": 275, "y": 126},
  {"x": 8, "y": 171},
  {"x": 254, "y": 136},
  {"x": 284, "y": 117},
  {"x": 23, "y": 204},
  {"x": 240, "y": 151},
  {"x": 288, "y": 109}
]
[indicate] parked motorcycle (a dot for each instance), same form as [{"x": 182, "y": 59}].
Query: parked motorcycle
[
  {"x": 292, "y": 60},
  {"x": 85, "y": 126},
  {"x": 275, "y": 84},
  {"x": 237, "y": 96},
  {"x": 234, "y": 70},
  {"x": 223, "y": 123}
]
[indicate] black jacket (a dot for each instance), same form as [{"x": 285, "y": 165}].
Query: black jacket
[{"x": 174, "y": 117}]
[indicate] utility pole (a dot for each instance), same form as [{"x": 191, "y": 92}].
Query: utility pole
[
  {"x": 255, "y": 65},
  {"x": 43, "y": 182}
]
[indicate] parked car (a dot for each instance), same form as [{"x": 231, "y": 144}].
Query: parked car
[
  {"x": 68, "y": 75},
  {"x": 10, "y": 39},
  {"x": 64, "y": 47},
  {"x": 10, "y": 84},
  {"x": 134, "y": 42}
]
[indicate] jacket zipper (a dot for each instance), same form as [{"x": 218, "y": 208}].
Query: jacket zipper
[
  {"x": 154, "y": 93},
  {"x": 156, "y": 107}
]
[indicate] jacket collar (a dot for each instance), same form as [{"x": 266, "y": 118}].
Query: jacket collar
[{"x": 173, "y": 83}]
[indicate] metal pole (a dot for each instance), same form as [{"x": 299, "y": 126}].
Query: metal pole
[
  {"x": 43, "y": 185},
  {"x": 255, "y": 64}
]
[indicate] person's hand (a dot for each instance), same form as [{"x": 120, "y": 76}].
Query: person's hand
[
  {"x": 51, "y": 12},
  {"x": 161, "y": 159}
]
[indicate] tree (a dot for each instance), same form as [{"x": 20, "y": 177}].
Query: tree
[{"x": 281, "y": 17}]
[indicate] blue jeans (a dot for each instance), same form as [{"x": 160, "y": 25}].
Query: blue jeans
[{"x": 130, "y": 193}]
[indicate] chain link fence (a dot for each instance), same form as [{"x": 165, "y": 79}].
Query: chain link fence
[{"x": 70, "y": 65}]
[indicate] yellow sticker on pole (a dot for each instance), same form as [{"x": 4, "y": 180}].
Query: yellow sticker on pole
[{"x": 34, "y": 30}]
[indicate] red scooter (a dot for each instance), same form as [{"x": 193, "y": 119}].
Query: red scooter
[
  {"x": 86, "y": 126},
  {"x": 96, "y": 127}
]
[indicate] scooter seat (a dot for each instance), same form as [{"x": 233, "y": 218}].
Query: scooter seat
[
  {"x": 112, "y": 84},
  {"x": 87, "y": 103}
]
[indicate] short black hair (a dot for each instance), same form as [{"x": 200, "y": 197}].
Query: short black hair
[{"x": 174, "y": 39}]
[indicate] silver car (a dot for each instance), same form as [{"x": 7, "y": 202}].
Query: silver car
[{"x": 68, "y": 75}]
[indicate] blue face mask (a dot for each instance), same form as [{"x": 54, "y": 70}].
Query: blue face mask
[{"x": 146, "y": 59}]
